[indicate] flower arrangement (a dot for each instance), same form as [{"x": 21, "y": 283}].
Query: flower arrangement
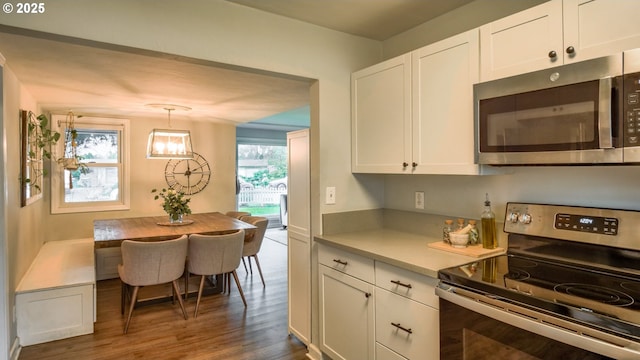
[{"x": 174, "y": 203}]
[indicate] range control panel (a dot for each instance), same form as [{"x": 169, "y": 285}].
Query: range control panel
[
  {"x": 591, "y": 224},
  {"x": 603, "y": 226}
]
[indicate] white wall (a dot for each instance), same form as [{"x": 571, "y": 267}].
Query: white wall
[
  {"x": 25, "y": 234},
  {"x": 597, "y": 186}
]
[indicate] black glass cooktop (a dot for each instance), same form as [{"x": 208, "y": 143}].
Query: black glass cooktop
[{"x": 587, "y": 292}]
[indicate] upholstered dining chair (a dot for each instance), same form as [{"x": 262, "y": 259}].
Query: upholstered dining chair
[
  {"x": 237, "y": 214},
  {"x": 151, "y": 263},
  {"x": 252, "y": 246},
  {"x": 215, "y": 255}
]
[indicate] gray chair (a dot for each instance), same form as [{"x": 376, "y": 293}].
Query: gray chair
[
  {"x": 151, "y": 263},
  {"x": 252, "y": 246},
  {"x": 237, "y": 214},
  {"x": 215, "y": 255}
]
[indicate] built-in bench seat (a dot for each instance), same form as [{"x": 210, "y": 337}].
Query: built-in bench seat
[{"x": 56, "y": 297}]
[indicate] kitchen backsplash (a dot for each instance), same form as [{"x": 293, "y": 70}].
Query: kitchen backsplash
[{"x": 419, "y": 223}]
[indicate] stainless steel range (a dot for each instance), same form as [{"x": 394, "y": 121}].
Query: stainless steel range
[{"x": 568, "y": 288}]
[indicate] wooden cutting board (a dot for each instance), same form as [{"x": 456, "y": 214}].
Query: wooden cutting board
[{"x": 473, "y": 251}]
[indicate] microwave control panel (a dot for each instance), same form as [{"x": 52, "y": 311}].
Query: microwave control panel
[{"x": 631, "y": 99}]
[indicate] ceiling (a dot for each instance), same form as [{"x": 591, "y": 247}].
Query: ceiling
[
  {"x": 372, "y": 19},
  {"x": 106, "y": 80}
]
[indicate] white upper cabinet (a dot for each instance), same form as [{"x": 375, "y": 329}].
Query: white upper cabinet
[
  {"x": 413, "y": 114},
  {"x": 522, "y": 42},
  {"x": 381, "y": 117},
  {"x": 442, "y": 105},
  {"x": 600, "y": 27},
  {"x": 555, "y": 33}
]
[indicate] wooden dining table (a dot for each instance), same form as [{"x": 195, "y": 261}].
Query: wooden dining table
[{"x": 111, "y": 232}]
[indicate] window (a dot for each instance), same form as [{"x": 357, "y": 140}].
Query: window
[{"x": 101, "y": 183}]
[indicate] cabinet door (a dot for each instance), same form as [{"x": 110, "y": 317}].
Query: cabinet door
[
  {"x": 381, "y": 117},
  {"x": 443, "y": 132},
  {"x": 346, "y": 316},
  {"x": 299, "y": 235},
  {"x": 597, "y": 28},
  {"x": 522, "y": 42}
]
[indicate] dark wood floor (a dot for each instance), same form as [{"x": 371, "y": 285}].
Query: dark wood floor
[{"x": 222, "y": 330}]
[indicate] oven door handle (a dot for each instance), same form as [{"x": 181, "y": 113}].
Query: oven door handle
[{"x": 605, "y": 113}]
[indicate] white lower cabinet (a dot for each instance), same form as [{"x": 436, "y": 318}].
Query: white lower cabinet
[
  {"x": 346, "y": 316},
  {"x": 372, "y": 310},
  {"x": 346, "y": 304}
]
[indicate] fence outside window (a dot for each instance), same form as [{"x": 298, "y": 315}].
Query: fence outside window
[{"x": 260, "y": 197}]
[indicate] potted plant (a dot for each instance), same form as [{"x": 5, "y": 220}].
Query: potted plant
[{"x": 174, "y": 204}]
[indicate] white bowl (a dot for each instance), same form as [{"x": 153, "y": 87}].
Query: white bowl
[{"x": 459, "y": 240}]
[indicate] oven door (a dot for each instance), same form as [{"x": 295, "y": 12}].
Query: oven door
[
  {"x": 563, "y": 115},
  {"x": 478, "y": 327}
]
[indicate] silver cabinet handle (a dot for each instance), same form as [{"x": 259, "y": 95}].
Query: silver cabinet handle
[
  {"x": 397, "y": 282},
  {"x": 338, "y": 261},
  {"x": 409, "y": 331}
]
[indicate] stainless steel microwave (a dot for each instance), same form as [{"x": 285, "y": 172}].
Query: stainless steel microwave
[{"x": 582, "y": 113}]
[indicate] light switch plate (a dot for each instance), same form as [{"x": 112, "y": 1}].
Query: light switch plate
[{"x": 330, "y": 195}]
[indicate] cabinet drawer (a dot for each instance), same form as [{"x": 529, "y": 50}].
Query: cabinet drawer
[
  {"x": 346, "y": 262},
  {"x": 420, "y": 339},
  {"x": 415, "y": 286},
  {"x": 383, "y": 353}
]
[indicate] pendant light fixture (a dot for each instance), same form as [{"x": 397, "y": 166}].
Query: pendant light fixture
[{"x": 169, "y": 143}]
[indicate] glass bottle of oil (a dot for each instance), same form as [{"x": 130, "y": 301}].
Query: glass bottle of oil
[{"x": 488, "y": 218}]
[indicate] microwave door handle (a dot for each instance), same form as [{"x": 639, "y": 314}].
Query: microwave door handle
[{"x": 605, "y": 113}]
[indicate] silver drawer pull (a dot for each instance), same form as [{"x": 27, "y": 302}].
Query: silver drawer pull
[
  {"x": 338, "y": 261},
  {"x": 397, "y": 282},
  {"x": 402, "y": 328}
]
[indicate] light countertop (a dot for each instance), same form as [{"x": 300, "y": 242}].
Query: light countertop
[{"x": 405, "y": 250}]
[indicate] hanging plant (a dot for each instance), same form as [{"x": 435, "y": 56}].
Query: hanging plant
[{"x": 70, "y": 160}]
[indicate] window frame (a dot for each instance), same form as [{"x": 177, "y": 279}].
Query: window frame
[{"x": 58, "y": 204}]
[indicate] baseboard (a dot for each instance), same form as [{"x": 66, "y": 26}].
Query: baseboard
[
  {"x": 314, "y": 353},
  {"x": 15, "y": 349}
]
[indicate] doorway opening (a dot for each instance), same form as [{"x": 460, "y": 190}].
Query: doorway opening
[
  {"x": 261, "y": 164},
  {"x": 262, "y": 175}
]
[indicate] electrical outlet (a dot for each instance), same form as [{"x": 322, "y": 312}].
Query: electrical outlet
[
  {"x": 419, "y": 200},
  {"x": 330, "y": 195}
]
